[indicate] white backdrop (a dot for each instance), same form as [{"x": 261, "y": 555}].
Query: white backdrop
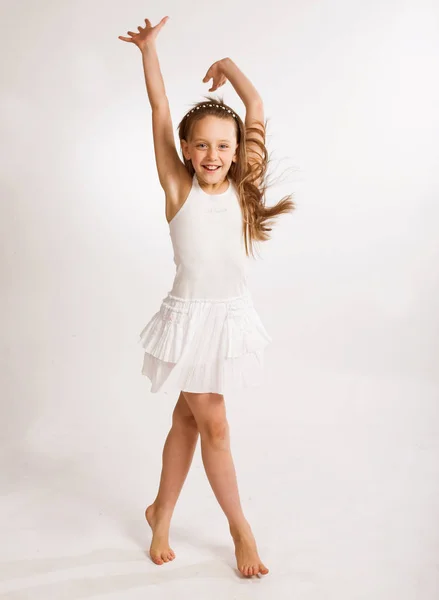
[{"x": 336, "y": 454}]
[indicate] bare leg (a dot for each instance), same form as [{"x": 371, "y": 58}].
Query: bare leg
[
  {"x": 178, "y": 452},
  {"x": 210, "y": 414}
]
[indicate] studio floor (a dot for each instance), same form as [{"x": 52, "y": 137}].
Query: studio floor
[{"x": 341, "y": 494}]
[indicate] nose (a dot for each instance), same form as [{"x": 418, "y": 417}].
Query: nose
[{"x": 212, "y": 154}]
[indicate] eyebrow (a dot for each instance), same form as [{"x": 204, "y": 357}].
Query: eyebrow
[{"x": 203, "y": 139}]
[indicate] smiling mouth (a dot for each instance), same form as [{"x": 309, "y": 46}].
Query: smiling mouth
[{"x": 210, "y": 169}]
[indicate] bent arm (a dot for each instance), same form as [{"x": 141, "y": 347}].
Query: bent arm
[
  {"x": 254, "y": 114},
  {"x": 242, "y": 84}
]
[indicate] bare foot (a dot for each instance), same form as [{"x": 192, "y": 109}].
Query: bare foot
[
  {"x": 160, "y": 551},
  {"x": 246, "y": 552}
]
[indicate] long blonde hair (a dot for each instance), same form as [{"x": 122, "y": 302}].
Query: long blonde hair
[{"x": 257, "y": 217}]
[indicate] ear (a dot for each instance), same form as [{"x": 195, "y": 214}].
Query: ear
[
  {"x": 185, "y": 149},
  {"x": 235, "y": 156}
]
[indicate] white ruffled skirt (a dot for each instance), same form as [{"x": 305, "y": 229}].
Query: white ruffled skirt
[{"x": 204, "y": 345}]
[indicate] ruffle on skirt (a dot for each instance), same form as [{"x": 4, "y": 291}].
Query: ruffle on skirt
[{"x": 204, "y": 345}]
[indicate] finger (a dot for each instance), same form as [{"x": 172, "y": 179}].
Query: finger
[
  {"x": 131, "y": 32},
  {"x": 162, "y": 22},
  {"x": 207, "y": 76},
  {"x": 148, "y": 22},
  {"x": 125, "y": 39},
  {"x": 140, "y": 28},
  {"x": 216, "y": 84}
]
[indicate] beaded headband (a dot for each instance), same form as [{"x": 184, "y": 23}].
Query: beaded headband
[{"x": 214, "y": 106}]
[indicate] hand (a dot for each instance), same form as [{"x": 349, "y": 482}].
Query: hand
[
  {"x": 146, "y": 34},
  {"x": 217, "y": 73}
]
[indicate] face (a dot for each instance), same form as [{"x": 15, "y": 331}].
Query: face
[{"x": 213, "y": 143}]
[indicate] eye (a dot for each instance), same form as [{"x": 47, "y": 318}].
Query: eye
[{"x": 221, "y": 145}]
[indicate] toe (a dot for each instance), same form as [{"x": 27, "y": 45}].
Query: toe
[{"x": 263, "y": 569}]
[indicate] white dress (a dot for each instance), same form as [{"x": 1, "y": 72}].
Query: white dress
[{"x": 207, "y": 335}]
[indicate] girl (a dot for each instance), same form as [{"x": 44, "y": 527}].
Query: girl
[{"x": 206, "y": 337}]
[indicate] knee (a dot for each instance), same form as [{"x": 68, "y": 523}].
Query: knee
[
  {"x": 184, "y": 421},
  {"x": 215, "y": 432}
]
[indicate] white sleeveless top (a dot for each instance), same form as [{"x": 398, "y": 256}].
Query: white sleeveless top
[{"x": 209, "y": 251}]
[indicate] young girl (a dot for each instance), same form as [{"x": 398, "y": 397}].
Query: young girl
[{"x": 206, "y": 337}]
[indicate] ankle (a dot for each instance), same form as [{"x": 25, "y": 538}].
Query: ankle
[
  {"x": 162, "y": 509},
  {"x": 239, "y": 528}
]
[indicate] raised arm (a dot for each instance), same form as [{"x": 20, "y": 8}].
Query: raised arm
[
  {"x": 225, "y": 69},
  {"x": 169, "y": 164}
]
